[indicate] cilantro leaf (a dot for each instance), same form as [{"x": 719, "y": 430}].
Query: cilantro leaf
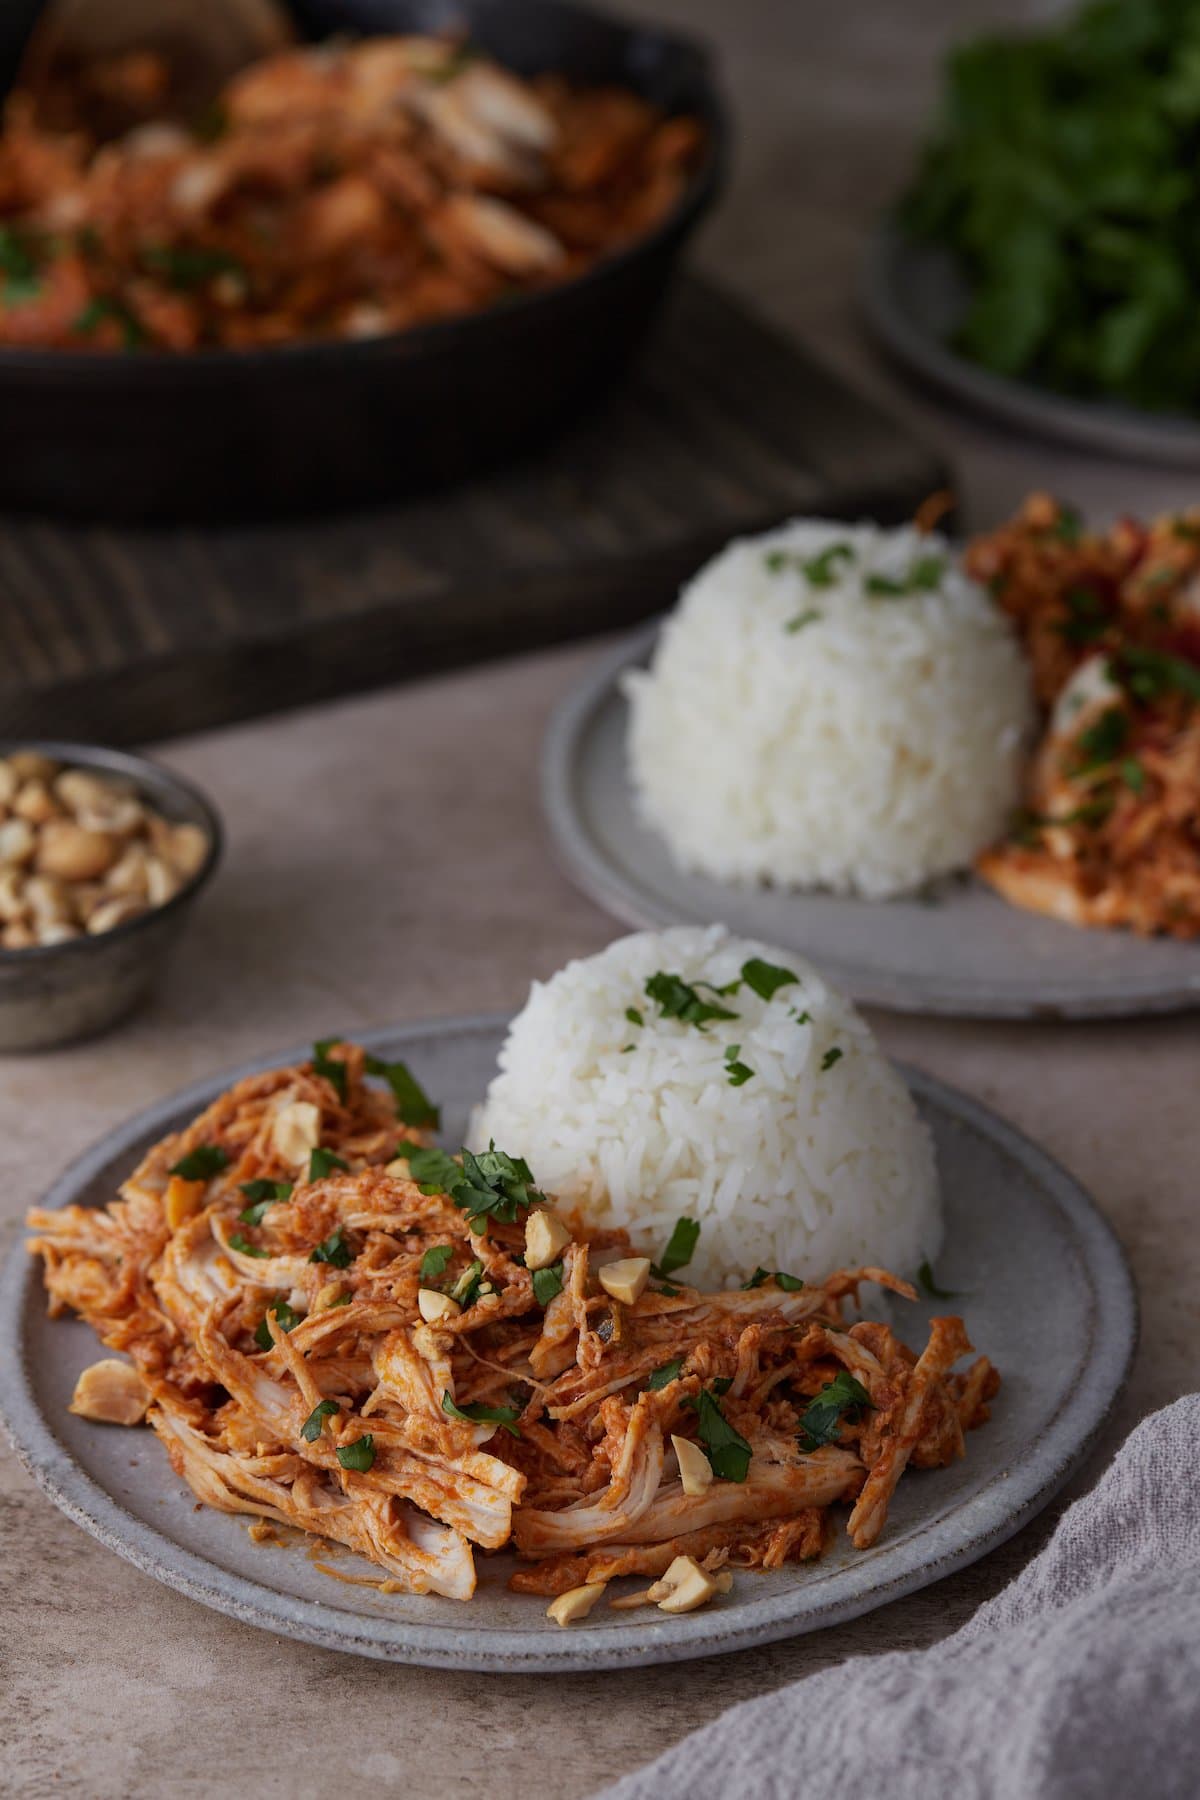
[
  {"x": 262, "y": 1195},
  {"x": 547, "y": 1283},
  {"x": 331, "y": 1068},
  {"x": 830, "y": 1057},
  {"x": 634, "y": 1016},
  {"x": 413, "y": 1105},
  {"x": 676, "y": 999},
  {"x": 1103, "y": 741},
  {"x": 681, "y": 1247},
  {"x": 504, "y": 1416},
  {"x": 288, "y": 1321},
  {"x": 432, "y": 1169},
  {"x": 322, "y": 1162},
  {"x": 436, "y": 1261},
  {"x": 726, "y": 1449},
  {"x": 765, "y": 979},
  {"x": 466, "y": 1288},
  {"x": 494, "y": 1185},
  {"x": 310, "y": 1431},
  {"x": 333, "y": 1250},
  {"x": 822, "y": 1417},
  {"x": 358, "y": 1455},
  {"x": 244, "y": 1247},
  {"x": 201, "y": 1164},
  {"x": 664, "y": 1375},
  {"x": 736, "y": 1073}
]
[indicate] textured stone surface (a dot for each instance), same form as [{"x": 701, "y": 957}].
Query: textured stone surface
[{"x": 354, "y": 894}]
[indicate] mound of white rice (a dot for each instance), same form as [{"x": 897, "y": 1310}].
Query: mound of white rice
[
  {"x": 814, "y": 1161},
  {"x": 804, "y": 723}
]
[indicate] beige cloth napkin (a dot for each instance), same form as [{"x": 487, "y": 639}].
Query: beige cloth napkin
[{"x": 1080, "y": 1681}]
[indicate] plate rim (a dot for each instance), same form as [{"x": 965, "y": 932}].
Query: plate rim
[
  {"x": 1062, "y": 1445},
  {"x": 585, "y": 864},
  {"x": 1102, "y": 427}
]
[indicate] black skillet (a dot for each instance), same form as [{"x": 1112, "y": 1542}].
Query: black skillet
[{"x": 215, "y": 434}]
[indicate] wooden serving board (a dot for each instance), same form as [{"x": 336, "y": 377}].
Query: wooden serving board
[{"x": 120, "y": 636}]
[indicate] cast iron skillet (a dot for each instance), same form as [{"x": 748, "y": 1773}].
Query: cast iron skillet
[{"x": 222, "y": 433}]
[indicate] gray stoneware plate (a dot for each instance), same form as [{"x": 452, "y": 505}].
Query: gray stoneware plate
[
  {"x": 1044, "y": 1290},
  {"x": 959, "y": 950},
  {"x": 914, "y": 296}
]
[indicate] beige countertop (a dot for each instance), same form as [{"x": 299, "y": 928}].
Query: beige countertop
[{"x": 351, "y": 896}]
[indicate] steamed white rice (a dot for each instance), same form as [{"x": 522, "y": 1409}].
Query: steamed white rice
[
  {"x": 817, "y": 1161},
  {"x": 816, "y": 734}
]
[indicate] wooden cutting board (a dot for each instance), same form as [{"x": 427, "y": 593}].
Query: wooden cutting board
[{"x": 724, "y": 427}]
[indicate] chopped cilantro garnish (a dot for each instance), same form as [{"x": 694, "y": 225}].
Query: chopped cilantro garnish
[
  {"x": 810, "y": 617},
  {"x": 244, "y": 1247},
  {"x": 1150, "y": 674},
  {"x": 830, "y": 1057},
  {"x": 436, "y": 1261},
  {"x": 322, "y": 1162},
  {"x": 822, "y": 1417},
  {"x": 634, "y": 1016},
  {"x": 664, "y": 1375},
  {"x": 331, "y": 1068},
  {"x": 1087, "y": 617},
  {"x": 736, "y": 1073},
  {"x": 432, "y": 1169},
  {"x": 1102, "y": 741},
  {"x": 547, "y": 1283},
  {"x": 1068, "y": 527},
  {"x": 504, "y": 1416},
  {"x": 675, "y": 999},
  {"x": 1133, "y": 774},
  {"x": 288, "y": 1321},
  {"x": 201, "y": 1164},
  {"x": 262, "y": 1195},
  {"x": 821, "y": 571},
  {"x": 466, "y": 1288},
  {"x": 413, "y": 1104},
  {"x": 925, "y": 1277},
  {"x": 922, "y": 578},
  {"x": 187, "y": 266},
  {"x": 20, "y": 279},
  {"x": 766, "y": 979},
  {"x": 310, "y": 1431},
  {"x": 791, "y": 1284},
  {"x": 107, "y": 306},
  {"x": 681, "y": 1247},
  {"x": 358, "y": 1455},
  {"x": 494, "y": 1185},
  {"x": 726, "y": 1449},
  {"x": 333, "y": 1250}
]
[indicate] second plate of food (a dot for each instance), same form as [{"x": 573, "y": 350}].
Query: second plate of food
[{"x": 841, "y": 705}]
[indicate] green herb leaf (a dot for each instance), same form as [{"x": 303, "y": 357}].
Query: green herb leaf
[
  {"x": 547, "y": 1283},
  {"x": 323, "y": 1162},
  {"x": 665, "y": 1375},
  {"x": 756, "y": 1280},
  {"x": 494, "y": 1185},
  {"x": 108, "y": 306},
  {"x": 432, "y": 1169},
  {"x": 331, "y": 1068},
  {"x": 925, "y": 1277},
  {"x": 1151, "y": 674},
  {"x": 830, "y": 1057},
  {"x": 1087, "y": 617},
  {"x": 413, "y": 1104},
  {"x": 244, "y": 1247},
  {"x": 358, "y": 1455},
  {"x": 675, "y": 999},
  {"x": 681, "y": 1247},
  {"x": 333, "y": 1250},
  {"x": 1133, "y": 774},
  {"x": 262, "y": 1195},
  {"x": 466, "y": 1288},
  {"x": 821, "y": 1420},
  {"x": 310, "y": 1431},
  {"x": 504, "y": 1416},
  {"x": 634, "y": 1016},
  {"x": 1103, "y": 741},
  {"x": 736, "y": 1072},
  {"x": 811, "y": 617},
  {"x": 201, "y": 1164},
  {"x": 189, "y": 266},
  {"x": 765, "y": 979},
  {"x": 821, "y": 571},
  {"x": 726, "y": 1449},
  {"x": 791, "y": 1284},
  {"x": 436, "y": 1261},
  {"x": 288, "y": 1321}
]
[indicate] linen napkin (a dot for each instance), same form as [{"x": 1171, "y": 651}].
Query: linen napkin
[{"x": 1080, "y": 1679}]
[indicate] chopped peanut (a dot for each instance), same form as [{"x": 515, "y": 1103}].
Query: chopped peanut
[
  {"x": 433, "y": 1305},
  {"x": 575, "y": 1604},
  {"x": 328, "y": 1296},
  {"x": 112, "y": 1392},
  {"x": 685, "y": 1586},
  {"x": 626, "y": 1280},
  {"x": 296, "y": 1132},
  {"x": 695, "y": 1470},
  {"x": 546, "y": 1237},
  {"x": 182, "y": 1201}
]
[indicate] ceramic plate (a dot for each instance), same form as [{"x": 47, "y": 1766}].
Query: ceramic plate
[
  {"x": 957, "y": 950},
  {"x": 914, "y": 296},
  {"x": 1044, "y": 1289}
]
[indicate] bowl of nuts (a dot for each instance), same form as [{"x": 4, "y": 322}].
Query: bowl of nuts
[{"x": 101, "y": 856}]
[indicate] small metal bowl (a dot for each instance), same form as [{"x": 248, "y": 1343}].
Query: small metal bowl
[{"x": 55, "y": 993}]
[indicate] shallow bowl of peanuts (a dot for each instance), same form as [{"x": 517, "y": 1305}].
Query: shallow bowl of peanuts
[{"x": 101, "y": 856}]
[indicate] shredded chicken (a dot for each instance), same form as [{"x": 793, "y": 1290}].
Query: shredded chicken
[
  {"x": 541, "y": 1424},
  {"x": 342, "y": 191},
  {"x": 1110, "y": 832}
]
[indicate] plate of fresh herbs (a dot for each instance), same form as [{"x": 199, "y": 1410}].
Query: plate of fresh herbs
[{"x": 1044, "y": 262}]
